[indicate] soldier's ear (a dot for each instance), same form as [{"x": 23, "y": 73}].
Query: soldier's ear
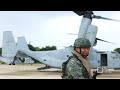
[{"x": 77, "y": 49}]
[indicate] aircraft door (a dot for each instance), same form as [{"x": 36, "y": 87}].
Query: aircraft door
[{"x": 103, "y": 60}]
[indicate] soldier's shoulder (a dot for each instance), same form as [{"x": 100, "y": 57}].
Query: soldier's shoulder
[
  {"x": 73, "y": 63},
  {"x": 73, "y": 60}
]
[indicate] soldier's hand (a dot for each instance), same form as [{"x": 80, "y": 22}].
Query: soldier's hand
[{"x": 95, "y": 75}]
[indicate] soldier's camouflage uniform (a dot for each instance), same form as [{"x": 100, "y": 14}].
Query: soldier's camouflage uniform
[{"x": 75, "y": 69}]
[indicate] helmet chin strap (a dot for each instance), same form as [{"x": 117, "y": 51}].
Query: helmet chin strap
[{"x": 80, "y": 53}]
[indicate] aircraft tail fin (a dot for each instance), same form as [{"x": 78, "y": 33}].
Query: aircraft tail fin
[
  {"x": 22, "y": 44},
  {"x": 9, "y": 48}
]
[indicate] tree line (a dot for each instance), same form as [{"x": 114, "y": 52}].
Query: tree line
[{"x": 47, "y": 48}]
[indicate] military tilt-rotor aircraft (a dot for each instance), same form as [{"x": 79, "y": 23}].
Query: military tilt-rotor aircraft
[{"x": 55, "y": 58}]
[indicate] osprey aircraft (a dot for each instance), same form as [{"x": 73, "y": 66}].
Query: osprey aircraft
[{"x": 55, "y": 58}]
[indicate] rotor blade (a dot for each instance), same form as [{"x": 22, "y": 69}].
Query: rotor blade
[
  {"x": 104, "y": 41},
  {"x": 66, "y": 46},
  {"x": 96, "y": 38},
  {"x": 79, "y": 12},
  {"x": 72, "y": 34},
  {"x": 83, "y": 12},
  {"x": 99, "y": 17}
]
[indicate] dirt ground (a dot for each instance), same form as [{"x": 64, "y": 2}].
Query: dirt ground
[{"x": 28, "y": 71}]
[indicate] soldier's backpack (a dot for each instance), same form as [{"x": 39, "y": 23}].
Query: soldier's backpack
[{"x": 64, "y": 67}]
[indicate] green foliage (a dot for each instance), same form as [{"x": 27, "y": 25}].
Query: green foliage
[
  {"x": 1, "y": 62},
  {"x": 31, "y": 47},
  {"x": 37, "y": 48},
  {"x": 47, "y": 48},
  {"x": 117, "y": 50}
]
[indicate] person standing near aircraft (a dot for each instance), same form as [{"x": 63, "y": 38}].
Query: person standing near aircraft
[{"x": 78, "y": 65}]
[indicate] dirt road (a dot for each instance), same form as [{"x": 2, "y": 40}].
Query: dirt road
[{"x": 28, "y": 71}]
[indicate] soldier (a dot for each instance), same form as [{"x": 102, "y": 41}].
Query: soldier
[{"x": 78, "y": 66}]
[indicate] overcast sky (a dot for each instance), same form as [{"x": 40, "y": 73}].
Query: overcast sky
[{"x": 42, "y": 28}]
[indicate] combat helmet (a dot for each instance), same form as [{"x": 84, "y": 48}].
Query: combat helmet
[{"x": 82, "y": 42}]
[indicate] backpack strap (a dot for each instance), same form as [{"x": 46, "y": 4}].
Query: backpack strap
[{"x": 65, "y": 63}]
